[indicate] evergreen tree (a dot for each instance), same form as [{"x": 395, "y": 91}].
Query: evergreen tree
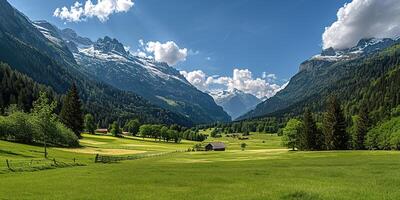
[
  {"x": 71, "y": 112},
  {"x": 90, "y": 125},
  {"x": 361, "y": 128},
  {"x": 309, "y": 134},
  {"x": 335, "y": 133}
]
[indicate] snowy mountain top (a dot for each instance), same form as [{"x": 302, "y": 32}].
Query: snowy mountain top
[
  {"x": 227, "y": 94},
  {"x": 364, "y": 46}
]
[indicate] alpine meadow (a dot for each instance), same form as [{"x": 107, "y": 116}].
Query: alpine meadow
[{"x": 228, "y": 99}]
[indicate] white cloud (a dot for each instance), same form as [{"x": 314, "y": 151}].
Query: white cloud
[
  {"x": 363, "y": 19},
  {"x": 168, "y": 52},
  {"x": 102, "y": 10},
  {"x": 242, "y": 79},
  {"x": 197, "y": 78}
]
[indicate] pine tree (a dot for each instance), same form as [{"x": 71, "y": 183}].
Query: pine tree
[
  {"x": 308, "y": 138},
  {"x": 71, "y": 112},
  {"x": 335, "y": 133},
  {"x": 362, "y": 125}
]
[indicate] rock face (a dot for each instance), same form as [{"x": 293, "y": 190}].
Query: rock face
[
  {"x": 235, "y": 102},
  {"x": 332, "y": 70},
  {"x": 107, "y": 60}
]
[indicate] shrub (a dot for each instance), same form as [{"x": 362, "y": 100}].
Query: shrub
[
  {"x": 395, "y": 140},
  {"x": 20, "y": 127},
  {"x": 25, "y": 128},
  {"x": 385, "y": 135}
]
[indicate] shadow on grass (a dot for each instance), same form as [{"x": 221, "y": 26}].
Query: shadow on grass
[
  {"x": 300, "y": 195},
  {"x": 14, "y": 154}
]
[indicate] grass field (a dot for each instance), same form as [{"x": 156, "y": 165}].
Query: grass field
[{"x": 265, "y": 170}]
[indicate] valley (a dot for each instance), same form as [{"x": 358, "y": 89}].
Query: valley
[
  {"x": 266, "y": 167},
  {"x": 130, "y": 99}
]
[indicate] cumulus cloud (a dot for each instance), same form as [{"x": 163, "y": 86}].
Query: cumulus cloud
[
  {"x": 242, "y": 79},
  {"x": 168, "y": 52},
  {"x": 102, "y": 10},
  {"x": 363, "y": 19}
]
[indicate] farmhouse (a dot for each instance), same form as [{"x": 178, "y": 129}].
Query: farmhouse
[
  {"x": 102, "y": 130},
  {"x": 215, "y": 146}
]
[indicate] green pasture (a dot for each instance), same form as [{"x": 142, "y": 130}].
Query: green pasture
[{"x": 264, "y": 170}]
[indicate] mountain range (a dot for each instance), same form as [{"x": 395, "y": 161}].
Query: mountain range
[
  {"x": 235, "y": 102},
  {"x": 347, "y": 73},
  {"x": 113, "y": 84},
  {"x": 107, "y": 60}
]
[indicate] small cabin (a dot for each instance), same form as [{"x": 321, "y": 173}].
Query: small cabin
[
  {"x": 102, "y": 130},
  {"x": 215, "y": 146},
  {"x": 125, "y": 133}
]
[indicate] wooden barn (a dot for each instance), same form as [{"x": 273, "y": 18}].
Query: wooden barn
[
  {"x": 215, "y": 146},
  {"x": 101, "y": 130}
]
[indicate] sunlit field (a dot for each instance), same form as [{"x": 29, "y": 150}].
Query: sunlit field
[{"x": 264, "y": 170}]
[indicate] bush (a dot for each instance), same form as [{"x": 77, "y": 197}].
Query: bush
[
  {"x": 65, "y": 136},
  {"x": 24, "y": 128},
  {"x": 395, "y": 140},
  {"x": 21, "y": 127},
  {"x": 384, "y": 136}
]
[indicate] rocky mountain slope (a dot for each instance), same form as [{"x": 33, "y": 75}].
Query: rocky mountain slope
[{"x": 107, "y": 60}]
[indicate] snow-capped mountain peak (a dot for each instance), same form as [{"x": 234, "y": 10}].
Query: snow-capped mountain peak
[
  {"x": 108, "y": 61},
  {"x": 363, "y": 47},
  {"x": 107, "y": 44},
  {"x": 235, "y": 102}
]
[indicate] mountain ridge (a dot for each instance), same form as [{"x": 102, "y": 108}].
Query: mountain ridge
[
  {"x": 107, "y": 60},
  {"x": 319, "y": 75}
]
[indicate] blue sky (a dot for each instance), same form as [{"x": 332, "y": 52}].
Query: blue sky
[
  {"x": 262, "y": 36},
  {"x": 271, "y": 36}
]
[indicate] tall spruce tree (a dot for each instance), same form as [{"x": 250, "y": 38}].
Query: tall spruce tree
[
  {"x": 336, "y": 137},
  {"x": 71, "y": 111},
  {"x": 361, "y": 129},
  {"x": 308, "y": 138}
]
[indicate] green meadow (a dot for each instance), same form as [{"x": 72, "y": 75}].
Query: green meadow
[{"x": 264, "y": 170}]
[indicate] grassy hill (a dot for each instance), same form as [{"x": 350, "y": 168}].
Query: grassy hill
[{"x": 262, "y": 171}]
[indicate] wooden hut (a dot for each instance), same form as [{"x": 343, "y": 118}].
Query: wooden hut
[{"x": 215, "y": 146}]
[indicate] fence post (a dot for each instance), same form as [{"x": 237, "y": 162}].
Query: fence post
[{"x": 8, "y": 164}]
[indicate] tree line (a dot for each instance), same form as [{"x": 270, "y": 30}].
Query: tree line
[
  {"x": 263, "y": 125},
  {"x": 158, "y": 132},
  {"x": 335, "y": 132}
]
